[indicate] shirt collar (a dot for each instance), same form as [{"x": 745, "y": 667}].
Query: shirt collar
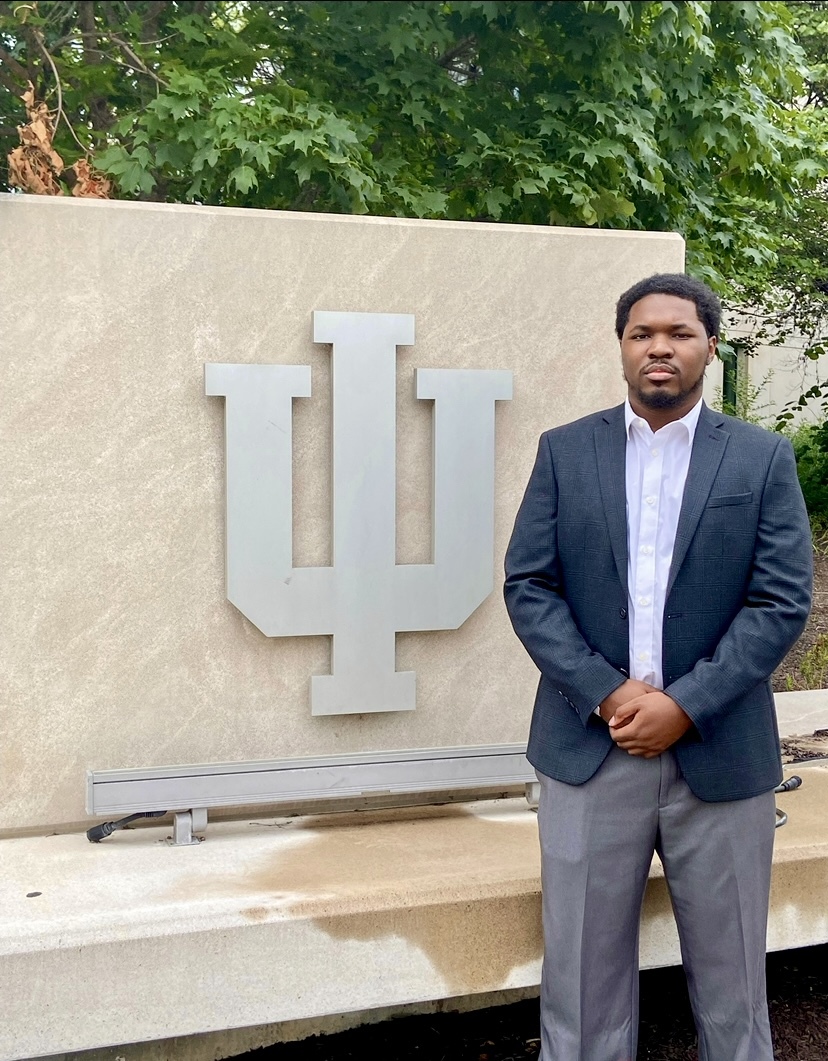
[{"x": 689, "y": 420}]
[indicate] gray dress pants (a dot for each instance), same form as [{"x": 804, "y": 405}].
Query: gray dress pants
[{"x": 597, "y": 842}]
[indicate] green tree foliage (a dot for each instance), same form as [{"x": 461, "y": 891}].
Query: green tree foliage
[
  {"x": 789, "y": 293},
  {"x": 645, "y": 115},
  {"x": 809, "y": 19},
  {"x": 810, "y": 442}
]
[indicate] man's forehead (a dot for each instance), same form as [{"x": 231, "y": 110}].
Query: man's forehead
[{"x": 679, "y": 310}]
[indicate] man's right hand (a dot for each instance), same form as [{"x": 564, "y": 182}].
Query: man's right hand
[{"x": 628, "y": 690}]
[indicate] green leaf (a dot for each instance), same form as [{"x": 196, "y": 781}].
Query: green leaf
[
  {"x": 418, "y": 113},
  {"x": 810, "y": 167},
  {"x": 527, "y": 186},
  {"x": 496, "y": 199},
  {"x": 552, "y": 126},
  {"x": 426, "y": 203},
  {"x": 173, "y": 154},
  {"x": 467, "y": 158},
  {"x": 205, "y": 156},
  {"x": 191, "y": 27},
  {"x": 399, "y": 38},
  {"x": 187, "y": 83},
  {"x": 181, "y": 107},
  {"x": 136, "y": 179},
  {"x": 621, "y": 10},
  {"x": 300, "y": 139},
  {"x": 303, "y": 169},
  {"x": 244, "y": 179},
  {"x": 338, "y": 129},
  {"x": 551, "y": 173},
  {"x": 112, "y": 157}
]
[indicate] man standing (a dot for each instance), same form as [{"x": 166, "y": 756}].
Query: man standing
[{"x": 659, "y": 570}]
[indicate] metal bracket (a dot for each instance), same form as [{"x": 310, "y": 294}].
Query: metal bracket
[{"x": 186, "y": 824}]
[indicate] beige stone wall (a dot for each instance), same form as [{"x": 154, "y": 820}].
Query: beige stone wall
[{"x": 119, "y": 647}]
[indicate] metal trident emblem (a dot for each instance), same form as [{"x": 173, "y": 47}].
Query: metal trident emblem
[{"x": 364, "y": 598}]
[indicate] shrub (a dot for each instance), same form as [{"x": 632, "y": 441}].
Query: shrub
[
  {"x": 812, "y": 670},
  {"x": 810, "y": 443}
]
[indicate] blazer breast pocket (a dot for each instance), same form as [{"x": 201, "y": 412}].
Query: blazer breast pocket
[{"x": 730, "y": 499}]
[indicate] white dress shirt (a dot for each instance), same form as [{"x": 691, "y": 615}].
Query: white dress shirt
[{"x": 657, "y": 464}]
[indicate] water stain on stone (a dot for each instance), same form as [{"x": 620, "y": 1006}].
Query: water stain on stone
[
  {"x": 463, "y": 889},
  {"x": 473, "y": 948}
]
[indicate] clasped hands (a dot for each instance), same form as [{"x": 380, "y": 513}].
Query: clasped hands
[{"x": 643, "y": 720}]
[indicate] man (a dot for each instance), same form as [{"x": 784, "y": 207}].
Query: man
[{"x": 659, "y": 570}]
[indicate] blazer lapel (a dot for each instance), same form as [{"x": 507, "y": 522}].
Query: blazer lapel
[
  {"x": 709, "y": 444},
  {"x": 610, "y": 449}
]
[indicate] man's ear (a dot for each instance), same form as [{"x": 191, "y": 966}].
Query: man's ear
[{"x": 712, "y": 343}]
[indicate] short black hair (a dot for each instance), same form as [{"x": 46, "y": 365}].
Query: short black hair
[{"x": 707, "y": 304}]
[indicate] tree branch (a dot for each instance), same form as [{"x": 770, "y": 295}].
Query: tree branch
[
  {"x": 59, "y": 87},
  {"x": 100, "y": 112},
  {"x": 135, "y": 62},
  {"x": 9, "y": 83},
  {"x": 31, "y": 50},
  {"x": 13, "y": 65},
  {"x": 462, "y": 49},
  {"x": 56, "y": 76},
  {"x": 153, "y": 13},
  {"x": 86, "y": 17}
]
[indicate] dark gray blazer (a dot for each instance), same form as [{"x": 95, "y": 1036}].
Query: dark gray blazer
[{"x": 738, "y": 597}]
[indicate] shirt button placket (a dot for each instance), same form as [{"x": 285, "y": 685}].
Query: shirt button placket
[{"x": 645, "y": 587}]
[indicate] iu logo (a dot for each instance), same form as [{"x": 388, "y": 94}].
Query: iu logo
[{"x": 365, "y": 597}]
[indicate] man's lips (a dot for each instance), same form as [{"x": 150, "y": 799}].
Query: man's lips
[{"x": 659, "y": 372}]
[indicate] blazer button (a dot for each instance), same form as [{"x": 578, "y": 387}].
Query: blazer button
[{"x": 622, "y": 612}]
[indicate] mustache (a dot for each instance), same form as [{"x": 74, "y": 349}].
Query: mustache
[{"x": 658, "y": 366}]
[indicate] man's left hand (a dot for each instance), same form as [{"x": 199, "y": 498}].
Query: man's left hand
[{"x": 648, "y": 725}]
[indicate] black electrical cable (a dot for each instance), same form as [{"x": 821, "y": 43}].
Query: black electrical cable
[
  {"x": 100, "y": 832},
  {"x": 787, "y": 786}
]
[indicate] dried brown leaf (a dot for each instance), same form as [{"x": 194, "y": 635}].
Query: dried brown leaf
[
  {"x": 90, "y": 184},
  {"x": 31, "y": 170},
  {"x": 35, "y": 165}
]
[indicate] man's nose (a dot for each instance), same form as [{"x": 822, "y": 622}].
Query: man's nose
[{"x": 661, "y": 346}]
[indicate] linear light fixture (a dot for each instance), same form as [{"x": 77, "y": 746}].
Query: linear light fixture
[{"x": 190, "y": 791}]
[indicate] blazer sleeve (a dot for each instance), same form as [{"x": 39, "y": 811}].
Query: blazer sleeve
[
  {"x": 776, "y": 604},
  {"x": 536, "y": 603}
]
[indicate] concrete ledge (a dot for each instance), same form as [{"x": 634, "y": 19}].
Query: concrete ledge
[
  {"x": 286, "y": 920},
  {"x": 800, "y": 713}
]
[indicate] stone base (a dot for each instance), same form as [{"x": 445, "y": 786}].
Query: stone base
[{"x": 285, "y": 927}]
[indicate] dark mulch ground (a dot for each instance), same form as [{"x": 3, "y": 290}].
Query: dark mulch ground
[
  {"x": 797, "y": 981},
  {"x": 797, "y": 989}
]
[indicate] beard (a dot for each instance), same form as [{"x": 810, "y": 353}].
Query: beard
[{"x": 661, "y": 398}]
